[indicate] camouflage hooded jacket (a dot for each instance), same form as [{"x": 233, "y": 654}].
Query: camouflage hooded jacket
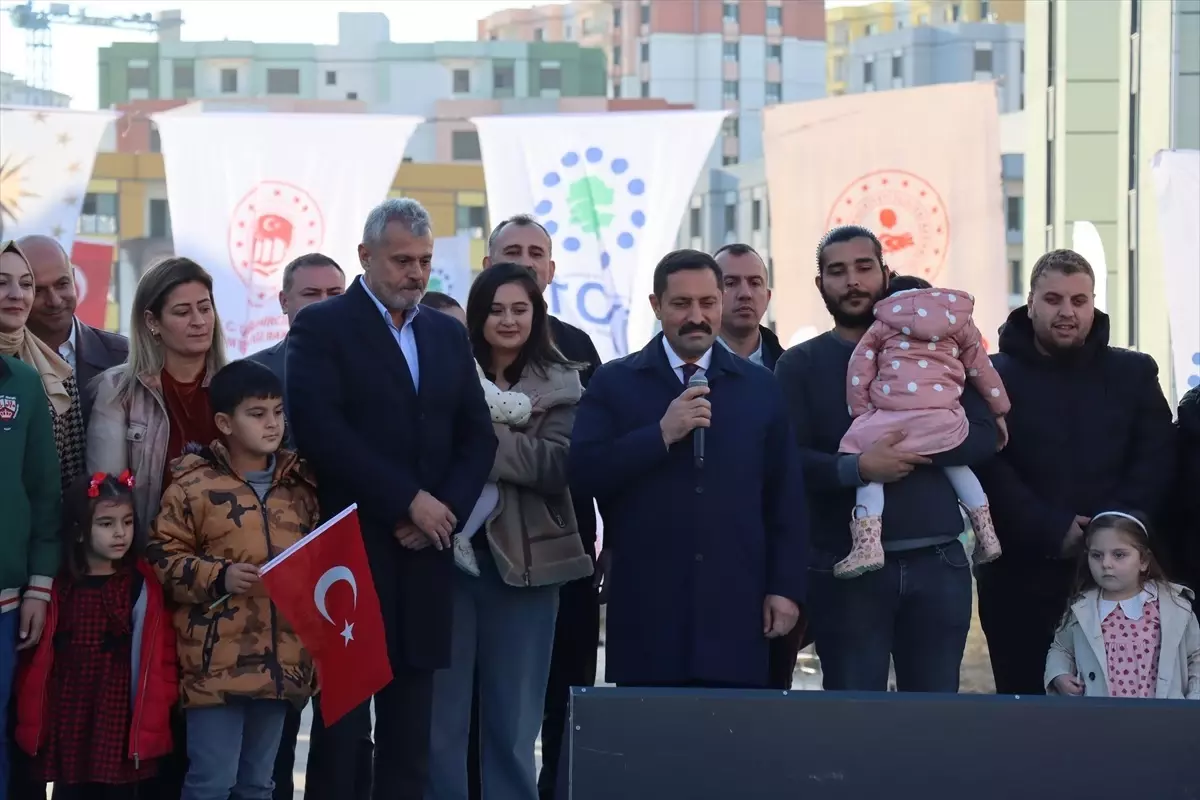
[{"x": 211, "y": 518}]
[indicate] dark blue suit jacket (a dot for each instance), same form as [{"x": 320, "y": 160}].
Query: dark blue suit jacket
[
  {"x": 373, "y": 440},
  {"x": 695, "y": 551}
]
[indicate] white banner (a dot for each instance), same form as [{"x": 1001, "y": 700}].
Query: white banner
[
  {"x": 451, "y": 272},
  {"x": 1177, "y": 178},
  {"x": 930, "y": 191},
  {"x": 611, "y": 189},
  {"x": 46, "y": 159},
  {"x": 249, "y": 192}
]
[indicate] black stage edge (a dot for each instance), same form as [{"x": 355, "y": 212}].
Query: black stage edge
[{"x": 630, "y": 744}]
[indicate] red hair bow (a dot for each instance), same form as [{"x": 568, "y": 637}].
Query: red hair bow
[{"x": 125, "y": 479}]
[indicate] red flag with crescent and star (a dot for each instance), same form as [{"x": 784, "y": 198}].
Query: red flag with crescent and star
[{"x": 322, "y": 585}]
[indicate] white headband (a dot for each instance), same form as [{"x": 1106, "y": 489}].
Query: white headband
[{"x": 1123, "y": 515}]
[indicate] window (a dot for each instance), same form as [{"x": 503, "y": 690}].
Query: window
[
  {"x": 730, "y": 90},
  {"x": 953, "y": 13},
  {"x": 98, "y": 214},
  {"x": 617, "y": 91},
  {"x": 983, "y": 59},
  {"x": 774, "y": 92},
  {"x": 756, "y": 215},
  {"x": 464, "y": 146},
  {"x": 645, "y": 52},
  {"x": 869, "y": 72},
  {"x": 504, "y": 78},
  {"x": 229, "y": 81},
  {"x": 730, "y": 220},
  {"x": 730, "y": 126},
  {"x": 645, "y": 14},
  {"x": 539, "y": 35},
  {"x": 550, "y": 77},
  {"x": 462, "y": 81},
  {"x": 985, "y": 10},
  {"x": 1013, "y": 213},
  {"x": 155, "y": 139},
  {"x": 471, "y": 218},
  {"x": 774, "y": 15},
  {"x": 897, "y": 66},
  {"x": 330, "y": 78},
  {"x": 727, "y": 161},
  {"x": 871, "y": 29},
  {"x": 1016, "y": 278},
  {"x": 617, "y": 55},
  {"x": 774, "y": 52},
  {"x": 138, "y": 77},
  {"x": 351, "y": 95},
  {"x": 184, "y": 76},
  {"x": 616, "y": 17},
  {"x": 839, "y": 68},
  {"x": 283, "y": 81},
  {"x": 730, "y": 51},
  {"x": 730, "y": 12},
  {"x": 645, "y": 88},
  {"x": 160, "y": 219},
  {"x": 694, "y": 223}
]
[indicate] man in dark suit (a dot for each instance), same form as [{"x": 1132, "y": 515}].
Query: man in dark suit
[
  {"x": 709, "y": 554},
  {"x": 523, "y": 240},
  {"x": 386, "y": 405},
  {"x": 88, "y": 350},
  {"x": 308, "y": 279},
  {"x": 744, "y": 306}
]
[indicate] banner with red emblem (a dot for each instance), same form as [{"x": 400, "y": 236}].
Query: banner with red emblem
[
  {"x": 250, "y": 192},
  {"x": 929, "y": 189}
]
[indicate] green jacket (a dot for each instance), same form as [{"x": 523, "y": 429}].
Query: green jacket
[{"x": 30, "y": 487}]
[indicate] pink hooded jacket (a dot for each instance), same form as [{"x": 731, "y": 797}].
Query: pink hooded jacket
[{"x": 915, "y": 358}]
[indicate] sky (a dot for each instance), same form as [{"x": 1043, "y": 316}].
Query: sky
[{"x": 74, "y": 67}]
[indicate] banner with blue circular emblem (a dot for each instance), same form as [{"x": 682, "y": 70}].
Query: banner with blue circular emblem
[{"x": 611, "y": 189}]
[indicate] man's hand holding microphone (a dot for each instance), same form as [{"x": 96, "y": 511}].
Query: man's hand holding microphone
[{"x": 687, "y": 412}]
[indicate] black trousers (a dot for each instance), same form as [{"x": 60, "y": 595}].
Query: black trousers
[
  {"x": 401, "y": 751},
  {"x": 573, "y": 663},
  {"x": 1020, "y": 606}
]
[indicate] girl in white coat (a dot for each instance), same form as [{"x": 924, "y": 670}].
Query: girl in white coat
[{"x": 1128, "y": 631}]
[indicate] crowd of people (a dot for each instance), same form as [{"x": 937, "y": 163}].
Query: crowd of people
[{"x": 754, "y": 500}]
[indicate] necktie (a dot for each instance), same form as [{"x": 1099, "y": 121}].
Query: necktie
[{"x": 688, "y": 371}]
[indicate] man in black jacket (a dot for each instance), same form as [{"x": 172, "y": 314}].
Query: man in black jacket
[
  {"x": 916, "y": 611},
  {"x": 747, "y": 295},
  {"x": 522, "y": 240},
  {"x": 52, "y": 319},
  {"x": 1089, "y": 431}
]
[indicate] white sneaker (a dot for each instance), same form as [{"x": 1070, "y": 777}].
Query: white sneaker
[{"x": 464, "y": 555}]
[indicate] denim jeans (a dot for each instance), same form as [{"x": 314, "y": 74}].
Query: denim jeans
[
  {"x": 9, "y": 623},
  {"x": 506, "y": 633},
  {"x": 231, "y": 750},
  {"x": 915, "y": 611}
]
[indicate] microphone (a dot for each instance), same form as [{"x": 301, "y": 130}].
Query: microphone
[{"x": 698, "y": 433}]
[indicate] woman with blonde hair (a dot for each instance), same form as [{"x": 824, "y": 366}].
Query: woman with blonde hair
[
  {"x": 150, "y": 408},
  {"x": 58, "y": 380}
]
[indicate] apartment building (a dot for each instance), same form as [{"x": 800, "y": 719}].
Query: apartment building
[
  {"x": 16, "y": 92},
  {"x": 847, "y": 24},
  {"x": 1107, "y": 85},
  {"x": 365, "y": 66}
]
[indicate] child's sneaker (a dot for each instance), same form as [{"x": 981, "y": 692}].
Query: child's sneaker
[{"x": 464, "y": 555}]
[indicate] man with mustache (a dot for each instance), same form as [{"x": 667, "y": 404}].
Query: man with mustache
[
  {"x": 1089, "y": 431},
  {"x": 708, "y": 555},
  {"x": 916, "y": 611},
  {"x": 52, "y": 319}
]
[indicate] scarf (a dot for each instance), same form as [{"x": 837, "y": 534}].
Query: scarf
[{"x": 26, "y": 347}]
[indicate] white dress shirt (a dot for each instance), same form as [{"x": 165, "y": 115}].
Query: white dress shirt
[
  {"x": 404, "y": 336},
  {"x": 67, "y": 349},
  {"x": 754, "y": 358},
  {"x": 677, "y": 363}
]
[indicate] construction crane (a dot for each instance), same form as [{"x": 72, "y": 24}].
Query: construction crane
[{"x": 37, "y": 26}]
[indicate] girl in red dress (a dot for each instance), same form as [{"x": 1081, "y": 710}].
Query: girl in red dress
[{"x": 94, "y": 697}]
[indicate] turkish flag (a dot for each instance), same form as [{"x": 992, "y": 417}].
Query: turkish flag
[
  {"x": 322, "y": 585},
  {"x": 93, "y": 262}
]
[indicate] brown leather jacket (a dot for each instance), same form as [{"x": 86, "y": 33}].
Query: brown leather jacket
[
  {"x": 211, "y": 518},
  {"x": 533, "y": 532}
]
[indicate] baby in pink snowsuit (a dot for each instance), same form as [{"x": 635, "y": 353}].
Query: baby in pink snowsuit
[{"x": 907, "y": 374}]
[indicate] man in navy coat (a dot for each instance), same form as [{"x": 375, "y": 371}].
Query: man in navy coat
[
  {"x": 386, "y": 405},
  {"x": 708, "y": 559}
]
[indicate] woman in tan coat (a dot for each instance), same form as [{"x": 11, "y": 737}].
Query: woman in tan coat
[{"x": 526, "y": 542}]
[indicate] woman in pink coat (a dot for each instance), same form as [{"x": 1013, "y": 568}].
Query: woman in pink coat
[{"x": 907, "y": 374}]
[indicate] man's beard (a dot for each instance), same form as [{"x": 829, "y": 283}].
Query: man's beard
[{"x": 847, "y": 319}]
